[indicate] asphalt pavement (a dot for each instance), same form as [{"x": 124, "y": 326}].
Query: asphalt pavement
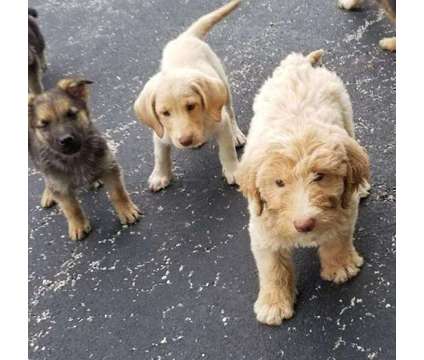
[{"x": 181, "y": 283}]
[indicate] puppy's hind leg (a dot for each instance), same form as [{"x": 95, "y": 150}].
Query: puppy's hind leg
[
  {"x": 161, "y": 175},
  {"x": 78, "y": 225},
  {"x": 128, "y": 213},
  {"x": 227, "y": 151},
  {"x": 47, "y": 199},
  {"x": 239, "y": 137}
]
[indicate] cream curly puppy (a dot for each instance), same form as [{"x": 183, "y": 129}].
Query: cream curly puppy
[
  {"x": 189, "y": 101},
  {"x": 303, "y": 173}
]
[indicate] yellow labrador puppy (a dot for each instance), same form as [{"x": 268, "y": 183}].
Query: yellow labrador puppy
[{"x": 189, "y": 101}]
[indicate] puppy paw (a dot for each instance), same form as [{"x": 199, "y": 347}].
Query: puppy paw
[
  {"x": 349, "y": 4},
  {"x": 239, "y": 138},
  {"x": 128, "y": 213},
  {"x": 229, "y": 176},
  {"x": 79, "y": 230},
  {"x": 270, "y": 310},
  {"x": 342, "y": 270},
  {"x": 159, "y": 181},
  {"x": 388, "y": 44},
  {"x": 47, "y": 199},
  {"x": 364, "y": 190},
  {"x": 96, "y": 184}
]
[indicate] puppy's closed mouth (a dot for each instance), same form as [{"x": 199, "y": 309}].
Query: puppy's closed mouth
[
  {"x": 71, "y": 151},
  {"x": 199, "y": 146},
  {"x": 194, "y": 147}
]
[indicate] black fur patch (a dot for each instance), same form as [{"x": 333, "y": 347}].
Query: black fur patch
[{"x": 32, "y": 12}]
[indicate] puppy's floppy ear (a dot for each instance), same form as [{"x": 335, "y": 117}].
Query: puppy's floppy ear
[
  {"x": 358, "y": 169},
  {"x": 246, "y": 175},
  {"x": 144, "y": 106},
  {"x": 213, "y": 92},
  {"x": 76, "y": 88}
]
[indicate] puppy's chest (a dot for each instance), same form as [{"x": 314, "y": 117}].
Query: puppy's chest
[
  {"x": 77, "y": 171},
  {"x": 78, "y": 175}
]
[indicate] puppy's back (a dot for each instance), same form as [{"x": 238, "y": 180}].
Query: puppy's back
[{"x": 296, "y": 94}]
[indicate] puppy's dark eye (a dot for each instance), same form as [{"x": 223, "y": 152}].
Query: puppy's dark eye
[
  {"x": 166, "y": 113},
  {"x": 318, "y": 177},
  {"x": 71, "y": 114},
  {"x": 279, "y": 183},
  {"x": 190, "y": 107},
  {"x": 43, "y": 124}
]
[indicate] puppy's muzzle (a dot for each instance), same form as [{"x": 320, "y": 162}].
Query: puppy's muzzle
[
  {"x": 304, "y": 225},
  {"x": 186, "y": 140},
  {"x": 190, "y": 142},
  {"x": 69, "y": 144}
]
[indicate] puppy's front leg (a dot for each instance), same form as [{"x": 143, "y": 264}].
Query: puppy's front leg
[
  {"x": 276, "y": 286},
  {"x": 277, "y": 291},
  {"x": 339, "y": 260},
  {"x": 161, "y": 175},
  {"x": 78, "y": 225},
  {"x": 227, "y": 152},
  {"x": 128, "y": 213},
  {"x": 47, "y": 199}
]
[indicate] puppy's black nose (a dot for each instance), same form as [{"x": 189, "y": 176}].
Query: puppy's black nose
[
  {"x": 69, "y": 144},
  {"x": 186, "y": 140},
  {"x": 66, "y": 140}
]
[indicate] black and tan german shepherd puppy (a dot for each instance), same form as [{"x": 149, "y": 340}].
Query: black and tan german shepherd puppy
[{"x": 70, "y": 152}]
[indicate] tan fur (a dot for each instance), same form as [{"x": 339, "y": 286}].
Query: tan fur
[
  {"x": 78, "y": 224},
  {"x": 47, "y": 199},
  {"x": 189, "y": 101},
  {"x": 349, "y": 4},
  {"x": 389, "y": 7},
  {"x": 388, "y": 43},
  {"x": 277, "y": 286},
  {"x": 301, "y": 162},
  {"x": 76, "y": 88},
  {"x": 128, "y": 213}
]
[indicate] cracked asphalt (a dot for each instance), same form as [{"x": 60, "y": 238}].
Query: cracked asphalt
[{"x": 181, "y": 283}]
